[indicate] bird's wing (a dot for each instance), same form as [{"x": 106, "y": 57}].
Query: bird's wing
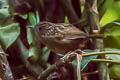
[
  {"x": 74, "y": 36},
  {"x": 73, "y": 33}
]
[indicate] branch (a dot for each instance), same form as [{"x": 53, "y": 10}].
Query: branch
[
  {"x": 69, "y": 58},
  {"x": 106, "y": 61},
  {"x": 101, "y": 53},
  {"x": 92, "y": 14},
  {"x": 59, "y": 14},
  {"x": 5, "y": 71},
  {"x": 69, "y": 11},
  {"x": 33, "y": 69},
  {"x": 90, "y": 73},
  {"x": 66, "y": 59},
  {"x": 50, "y": 9},
  {"x": 93, "y": 19}
]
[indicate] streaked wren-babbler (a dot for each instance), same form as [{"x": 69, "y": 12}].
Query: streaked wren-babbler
[{"x": 61, "y": 37}]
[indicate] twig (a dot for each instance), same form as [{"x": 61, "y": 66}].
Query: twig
[
  {"x": 5, "y": 71},
  {"x": 50, "y": 8},
  {"x": 101, "y": 53},
  {"x": 93, "y": 20},
  {"x": 106, "y": 61},
  {"x": 79, "y": 59},
  {"x": 68, "y": 59},
  {"x": 92, "y": 14},
  {"x": 56, "y": 66},
  {"x": 69, "y": 10},
  {"x": 22, "y": 51},
  {"x": 90, "y": 73}
]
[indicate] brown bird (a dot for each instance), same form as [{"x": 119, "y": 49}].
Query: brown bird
[{"x": 61, "y": 37}]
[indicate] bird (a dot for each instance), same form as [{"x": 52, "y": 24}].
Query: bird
[{"x": 61, "y": 37}]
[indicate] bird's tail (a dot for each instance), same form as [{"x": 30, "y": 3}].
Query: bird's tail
[{"x": 95, "y": 36}]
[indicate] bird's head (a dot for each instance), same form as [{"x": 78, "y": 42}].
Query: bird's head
[{"x": 48, "y": 29}]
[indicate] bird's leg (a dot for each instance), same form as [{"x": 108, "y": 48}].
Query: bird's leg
[
  {"x": 79, "y": 58},
  {"x": 66, "y": 56},
  {"x": 70, "y": 55},
  {"x": 78, "y": 53}
]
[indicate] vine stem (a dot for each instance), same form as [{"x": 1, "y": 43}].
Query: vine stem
[
  {"x": 106, "y": 61},
  {"x": 101, "y": 53},
  {"x": 70, "y": 57}
]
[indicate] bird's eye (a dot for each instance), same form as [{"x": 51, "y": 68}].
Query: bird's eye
[
  {"x": 48, "y": 27},
  {"x": 40, "y": 28}
]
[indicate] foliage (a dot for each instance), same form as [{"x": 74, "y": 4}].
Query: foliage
[
  {"x": 9, "y": 30},
  {"x": 16, "y": 27}
]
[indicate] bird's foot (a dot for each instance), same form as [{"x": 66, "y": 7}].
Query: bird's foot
[
  {"x": 66, "y": 56},
  {"x": 70, "y": 55},
  {"x": 79, "y": 51}
]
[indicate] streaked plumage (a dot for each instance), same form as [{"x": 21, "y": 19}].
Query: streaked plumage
[{"x": 60, "y": 37}]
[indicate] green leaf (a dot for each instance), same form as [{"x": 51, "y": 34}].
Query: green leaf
[
  {"x": 112, "y": 56},
  {"x": 114, "y": 69},
  {"x": 103, "y": 5},
  {"x": 45, "y": 54},
  {"x": 29, "y": 35},
  {"x": 85, "y": 60},
  {"x": 9, "y": 30},
  {"x": 66, "y": 20},
  {"x": 112, "y": 12},
  {"x": 22, "y": 49},
  {"x": 24, "y": 16},
  {"x": 37, "y": 17},
  {"x": 4, "y": 14},
  {"x": 34, "y": 51},
  {"x": 8, "y": 34},
  {"x": 32, "y": 18},
  {"x": 112, "y": 33},
  {"x": 114, "y": 72}
]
